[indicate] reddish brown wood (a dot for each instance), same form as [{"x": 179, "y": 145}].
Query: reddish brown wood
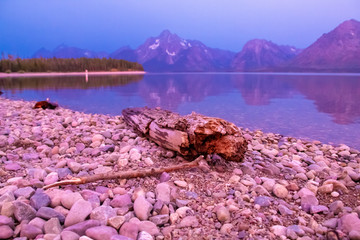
[{"x": 190, "y": 135}]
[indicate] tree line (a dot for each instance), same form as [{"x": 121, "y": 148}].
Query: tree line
[{"x": 66, "y": 65}]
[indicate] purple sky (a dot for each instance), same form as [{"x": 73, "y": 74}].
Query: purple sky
[{"x": 26, "y": 26}]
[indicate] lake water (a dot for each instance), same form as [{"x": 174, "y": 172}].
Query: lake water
[{"x": 313, "y": 107}]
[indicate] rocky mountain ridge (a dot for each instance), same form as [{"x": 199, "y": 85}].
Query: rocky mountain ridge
[{"x": 336, "y": 51}]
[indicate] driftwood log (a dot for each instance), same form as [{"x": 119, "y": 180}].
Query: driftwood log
[
  {"x": 189, "y": 135},
  {"x": 140, "y": 173}
]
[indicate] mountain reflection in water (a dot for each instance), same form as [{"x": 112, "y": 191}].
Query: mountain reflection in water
[{"x": 319, "y": 107}]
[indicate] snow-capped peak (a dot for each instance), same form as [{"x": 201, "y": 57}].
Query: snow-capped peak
[
  {"x": 155, "y": 45},
  {"x": 170, "y": 53}
]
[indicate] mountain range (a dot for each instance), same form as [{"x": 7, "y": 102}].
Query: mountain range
[{"x": 336, "y": 51}]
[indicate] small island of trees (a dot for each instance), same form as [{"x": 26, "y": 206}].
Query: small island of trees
[{"x": 12, "y": 64}]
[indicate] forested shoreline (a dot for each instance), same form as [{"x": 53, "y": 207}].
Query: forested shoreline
[{"x": 67, "y": 65}]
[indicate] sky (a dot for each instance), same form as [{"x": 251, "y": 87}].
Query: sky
[{"x": 26, "y": 26}]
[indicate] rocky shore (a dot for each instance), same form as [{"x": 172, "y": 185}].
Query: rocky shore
[{"x": 285, "y": 188}]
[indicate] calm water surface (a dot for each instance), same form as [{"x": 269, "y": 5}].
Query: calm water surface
[{"x": 312, "y": 107}]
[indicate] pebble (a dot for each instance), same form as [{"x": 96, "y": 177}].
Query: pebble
[
  {"x": 101, "y": 233},
  {"x": 69, "y": 235},
  {"x": 278, "y": 230},
  {"x": 30, "y": 231},
  {"x": 223, "y": 214},
  {"x": 280, "y": 191},
  {"x": 6, "y": 232},
  {"x": 78, "y": 212},
  {"x": 40, "y": 199},
  {"x": 142, "y": 208},
  {"x": 148, "y": 227},
  {"x": 179, "y": 183},
  {"x": 68, "y": 198},
  {"x": 120, "y": 201},
  {"x": 48, "y": 213},
  {"x": 129, "y": 230},
  {"x": 189, "y": 221},
  {"x": 53, "y": 226},
  {"x": 81, "y": 227},
  {"x": 262, "y": 201},
  {"x": 164, "y": 177},
  {"x": 103, "y": 213},
  {"x": 274, "y": 193},
  {"x": 23, "y": 211},
  {"x": 116, "y": 221},
  {"x": 160, "y": 219},
  {"x": 162, "y": 192},
  {"x": 26, "y": 192}
]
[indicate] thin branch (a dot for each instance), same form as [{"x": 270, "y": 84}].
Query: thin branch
[{"x": 126, "y": 174}]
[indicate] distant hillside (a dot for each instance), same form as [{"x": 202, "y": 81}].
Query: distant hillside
[
  {"x": 338, "y": 50},
  {"x": 64, "y": 51},
  {"x": 262, "y": 55},
  {"x": 67, "y": 65}
]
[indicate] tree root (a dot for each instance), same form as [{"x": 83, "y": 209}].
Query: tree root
[{"x": 126, "y": 174}]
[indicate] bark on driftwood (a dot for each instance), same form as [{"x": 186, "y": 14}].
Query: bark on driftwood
[{"x": 190, "y": 135}]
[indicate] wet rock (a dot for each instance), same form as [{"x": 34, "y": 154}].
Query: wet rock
[{"x": 101, "y": 233}]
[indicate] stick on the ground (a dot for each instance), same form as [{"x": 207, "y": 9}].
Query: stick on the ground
[{"x": 126, "y": 174}]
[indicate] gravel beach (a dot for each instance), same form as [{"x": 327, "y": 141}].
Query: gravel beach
[{"x": 285, "y": 188}]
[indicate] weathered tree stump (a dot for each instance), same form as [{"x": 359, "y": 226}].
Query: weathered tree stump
[{"x": 189, "y": 135}]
